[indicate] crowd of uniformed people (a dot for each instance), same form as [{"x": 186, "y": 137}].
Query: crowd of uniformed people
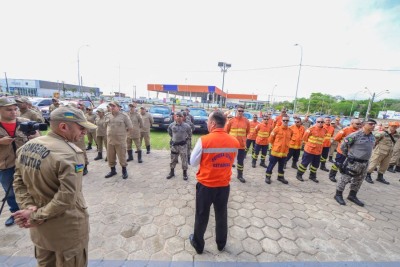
[{"x": 361, "y": 148}]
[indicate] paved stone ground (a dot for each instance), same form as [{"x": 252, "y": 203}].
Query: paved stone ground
[{"x": 147, "y": 219}]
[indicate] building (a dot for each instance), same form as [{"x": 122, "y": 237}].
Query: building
[{"x": 45, "y": 88}]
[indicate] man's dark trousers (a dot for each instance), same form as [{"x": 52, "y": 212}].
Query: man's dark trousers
[{"x": 205, "y": 196}]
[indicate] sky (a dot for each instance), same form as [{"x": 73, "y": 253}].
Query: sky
[{"x": 127, "y": 44}]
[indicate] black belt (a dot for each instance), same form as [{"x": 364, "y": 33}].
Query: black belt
[
  {"x": 358, "y": 160},
  {"x": 181, "y": 143}
]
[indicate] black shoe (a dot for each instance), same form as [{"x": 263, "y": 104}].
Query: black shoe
[
  {"x": 111, "y": 173},
  {"x": 105, "y": 159},
  {"x": 313, "y": 177},
  {"x": 392, "y": 169},
  {"x": 221, "y": 248},
  {"x": 253, "y": 163},
  {"x": 268, "y": 179},
  {"x": 381, "y": 179},
  {"x": 139, "y": 156},
  {"x": 331, "y": 159},
  {"x": 124, "y": 173},
  {"x": 262, "y": 164},
  {"x": 199, "y": 251},
  {"x": 130, "y": 155},
  {"x": 353, "y": 198},
  {"x": 339, "y": 197},
  {"x": 99, "y": 156},
  {"x": 332, "y": 175},
  {"x": 299, "y": 176},
  {"x": 171, "y": 174},
  {"x": 323, "y": 167},
  {"x": 9, "y": 221},
  {"x": 368, "y": 178},
  {"x": 294, "y": 165},
  {"x": 85, "y": 170},
  {"x": 185, "y": 176},
  {"x": 89, "y": 147},
  {"x": 241, "y": 179},
  {"x": 147, "y": 149},
  {"x": 282, "y": 180}
]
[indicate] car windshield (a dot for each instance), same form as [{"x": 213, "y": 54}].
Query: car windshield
[
  {"x": 159, "y": 110},
  {"x": 198, "y": 112}
]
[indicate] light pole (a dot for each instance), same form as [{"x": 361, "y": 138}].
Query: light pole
[
  {"x": 224, "y": 68},
  {"x": 298, "y": 78},
  {"x": 371, "y": 101},
  {"x": 271, "y": 97},
  {"x": 79, "y": 74}
]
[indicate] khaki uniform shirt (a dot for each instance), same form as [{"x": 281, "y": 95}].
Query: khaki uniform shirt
[
  {"x": 32, "y": 116},
  {"x": 48, "y": 175},
  {"x": 91, "y": 118},
  {"x": 117, "y": 127},
  {"x": 147, "y": 122},
  {"x": 384, "y": 144},
  {"x": 101, "y": 126},
  {"x": 7, "y": 153},
  {"x": 307, "y": 124},
  {"x": 137, "y": 124}
]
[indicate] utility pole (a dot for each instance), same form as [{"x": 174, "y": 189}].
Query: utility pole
[{"x": 7, "y": 89}]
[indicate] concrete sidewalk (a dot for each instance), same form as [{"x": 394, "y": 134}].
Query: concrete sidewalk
[{"x": 146, "y": 220}]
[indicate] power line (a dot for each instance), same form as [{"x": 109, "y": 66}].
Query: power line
[{"x": 348, "y": 68}]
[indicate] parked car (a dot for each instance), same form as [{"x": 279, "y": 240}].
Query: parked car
[
  {"x": 43, "y": 104},
  {"x": 200, "y": 116},
  {"x": 162, "y": 116}
]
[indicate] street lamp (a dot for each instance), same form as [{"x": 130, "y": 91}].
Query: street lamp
[
  {"x": 79, "y": 74},
  {"x": 224, "y": 68},
  {"x": 371, "y": 101},
  {"x": 298, "y": 78}
]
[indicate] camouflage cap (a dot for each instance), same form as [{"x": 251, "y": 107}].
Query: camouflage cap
[
  {"x": 100, "y": 110},
  {"x": 23, "y": 100},
  {"x": 73, "y": 115},
  {"x": 115, "y": 103},
  {"x": 7, "y": 101}
]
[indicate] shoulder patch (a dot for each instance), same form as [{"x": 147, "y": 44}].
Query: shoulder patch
[
  {"x": 79, "y": 168},
  {"x": 75, "y": 147}
]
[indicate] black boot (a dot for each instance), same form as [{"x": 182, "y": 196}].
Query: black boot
[
  {"x": 339, "y": 197},
  {"x": 330, "y": 159},
  {"x": 85, "y": 170},
  {"x": 89, "y": 147},
  {"x": 268, "y": 177},
  {"x": 332, "y": 175},
  {"x": 124, "y": 173},
  {"x": 392, "y": 169},
  {"x": 171, "y": 174},
  {"x": 148, "y": 149},
  {"x": 262, "y": 163},
  {"x": 299, "y": 176},
  {"x": 111, "y": 173},
  {"x": 99, "y": 156},
  {"x": 313, "y": 177},
  {"x": 185, "y": 176},
  {"x": 139, "y": 156},
  {"x": 282, "y": 179},
  {"x": 353, "y": 198},
  {"x": 294, "y": 165},
  {"x": 381, "y": 179},
  {"x": 368, "y": 178},
  {"x": 323, "y": 167},
  {"x": 240, "y": 176},
  {"x": 253, "y": 163},
  {"x": 188, "y": 160},
  {"x": 397, "y": 169},
  {"x": 130, "y": 155}
]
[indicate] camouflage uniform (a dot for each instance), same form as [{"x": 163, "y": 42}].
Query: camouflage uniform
[
  {"x": 188, "y": 120},
  {"x": 179, "y": 133},
  {"x": 357, "y": 147},
  {"x": 395, "y": 159}
]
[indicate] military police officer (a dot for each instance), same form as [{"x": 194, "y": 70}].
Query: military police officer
[
  {"x": 50, "y": 195},
  {"x": 357, "y": 148},
  {"x": 101, "y": 133},
  {"x": 134, "y": 136},
  {"x": 180, "y": 132},
  {"x": 145, "y": 130},
  {"x": 26, "y": 112},
  {"x": 91, "y": 134}
]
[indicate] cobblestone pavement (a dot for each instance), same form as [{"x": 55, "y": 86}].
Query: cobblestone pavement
[{"x": 147, "y": 219}]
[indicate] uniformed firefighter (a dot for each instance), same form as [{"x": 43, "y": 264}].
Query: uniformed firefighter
[
  {"x": 48, "y": 188},
  {"x": 239, "y": 127},
  {"x": 101, "y": 133},
  {"x": 313, "y": 139},
  {"x": 383, "y": 151},
  {"x": 278, "y": 119},
  {"x": 118, "y": 127},
  {"x": 295, "y": 142},
  {"x": 339, "y": 159},
  {"x": 394, "y": 164},
  {"x": 327, "y": 143},
  {"x": 145, "y": 130},
  {"x": 251, "y": 137},
  {"x": 91, "y": 134},
  {"x": 262, "y": 132},
  {"x": 180, "y": 132},
  {"x": 187, "y": 119},
  {"x": 26, "y": 112},
  {"x": 279, "y": 139},
  {"x": 134, "y": 136},
  {"x": 357, "y": 148},
  {"x": 334, "y": 144}
]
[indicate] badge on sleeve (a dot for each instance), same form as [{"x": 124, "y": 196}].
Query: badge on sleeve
[{"x": 79, "y": 168}]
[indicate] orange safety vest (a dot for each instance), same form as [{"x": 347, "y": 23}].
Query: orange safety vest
[
  {"x": 314, "y": 139},
  {"x": 252, "y": 135},
  {"x": 239, "y": 128},
  {"x": 329, "y": 133},
  {"x": 218, "y": 154},
  {"x": 280, "y": 139},
  {"x": 341, "y": 135},
  {"x": 297, "y": 137},
  {"x": 262, "y": 131}
]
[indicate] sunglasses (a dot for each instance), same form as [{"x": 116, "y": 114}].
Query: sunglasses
[
  {"x": 240, "y": 110},
  {"x": 320, "y": 122},
  {"x": 285, "y": 120}
]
